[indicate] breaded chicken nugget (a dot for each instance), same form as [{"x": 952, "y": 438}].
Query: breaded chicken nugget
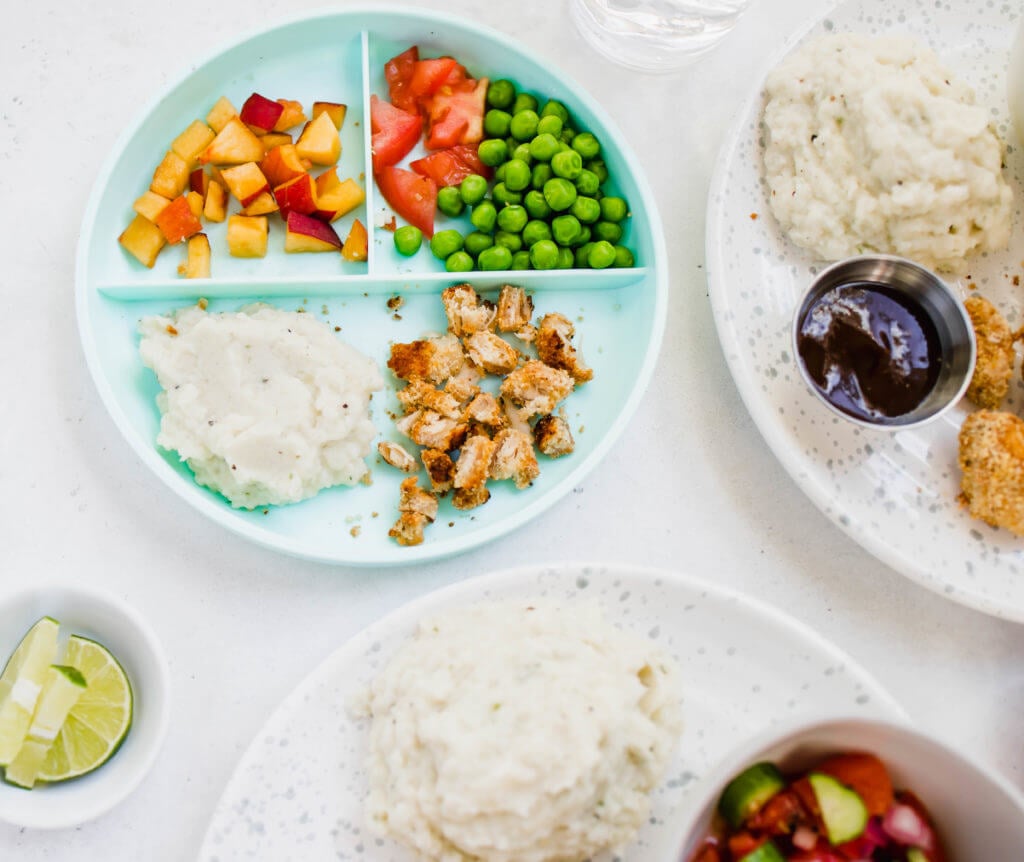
[
  {"x": 991, "y": 380},
  {"x": 992, "y": 461}
]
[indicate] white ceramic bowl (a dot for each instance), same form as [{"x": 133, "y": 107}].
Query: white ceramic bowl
[
  {"x": 121, "y": 630},
  {"x": 979, "y": 815}
]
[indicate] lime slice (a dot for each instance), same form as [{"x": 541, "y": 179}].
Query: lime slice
[
  {"x": 21, "y": 683},
  {"x": 99, "y": 721},
  {"x": 61, "y": 691}
]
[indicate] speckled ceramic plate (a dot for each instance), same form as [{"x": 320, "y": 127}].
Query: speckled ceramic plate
[
  {"x": 894, "y": 493},
  {"x": 340, "y": 56},
  {"x": 298, "y": 792}
]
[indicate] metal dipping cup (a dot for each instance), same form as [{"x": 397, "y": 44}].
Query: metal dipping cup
[{"x": 935, "y": 298}]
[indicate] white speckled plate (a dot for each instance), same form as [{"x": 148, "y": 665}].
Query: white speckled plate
[
  {"x": 297, "y": 793},
  {"x": 895, "y": 494}
]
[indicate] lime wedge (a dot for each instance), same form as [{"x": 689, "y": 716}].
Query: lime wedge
[
  {"x": 21, "y": 683},
  {"x": 97, "y": 724},
  {"x": 61, "y": 691}
]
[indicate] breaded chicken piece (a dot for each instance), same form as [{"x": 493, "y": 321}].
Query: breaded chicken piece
[
  {"x": 992, "y": 461},
  {"x": 397, "y": 456},
  {"x": 473, "y": 466},
  {"x": 408, "y": 529},
  {"x": 514, "y": 458},
  {"x": 485, "y": 410},
  {"x": 491, "y": 352},
  {"x": 414, "y": 500},
  {"x": 440, "y": 469},
  {"x": 553, "y": 436},
  {"x": 515, "y": 308},
  {"x": 463, "y": 387},
  {"x": 466, "y": 312},
  {"x": 536, "y": 387},
  {"x": 420, "y": 395},
  {"x": 554, "y": 346},
  {"x": 432, "y": 359},
  {"x": 433, "y": 430},
  {"x": 994, "y": 368},
  {"x": 470, "y": 498}
]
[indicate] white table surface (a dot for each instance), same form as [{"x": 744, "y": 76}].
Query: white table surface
[{"x": 242, "y": 625}]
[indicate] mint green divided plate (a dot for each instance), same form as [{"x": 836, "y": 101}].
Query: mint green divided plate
[{"x": 339, "y": 56}]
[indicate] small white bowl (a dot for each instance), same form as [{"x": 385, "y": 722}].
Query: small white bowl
[
  {"x": 120, "y": 629},
  {"x": 978, "y": 814}
]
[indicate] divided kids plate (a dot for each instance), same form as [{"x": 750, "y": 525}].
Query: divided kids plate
[{"x": 619, "y": 314}]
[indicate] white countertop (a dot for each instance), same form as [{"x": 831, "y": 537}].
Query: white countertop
[{"x": 242, "y": 625}]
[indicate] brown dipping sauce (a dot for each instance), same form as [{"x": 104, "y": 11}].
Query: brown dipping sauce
[{"x": 871, "y": 352}]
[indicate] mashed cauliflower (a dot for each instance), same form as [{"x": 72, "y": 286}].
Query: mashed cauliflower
[
  {"x": 266, "y": 406},
  {"x": 872, "y": 146},
  {"x": 509, "y": 732}
]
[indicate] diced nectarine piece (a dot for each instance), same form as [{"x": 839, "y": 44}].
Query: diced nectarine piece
[
  {"x": 292, "y": 116},
  {"x": 198, "y": 181},
  {"x": 195, "y": 203},
  {"x": 338, "y": 198},
  {"x": 335, "y": 110},
  {"x": 143, "y": 240},
  {"x": 281, "y": 164},
  {"x": 246, "y": 182},
  {"x": 190, "y": 143},
  {"x": 264, "y": 204},
  {"x": 356, "y": 242},
  {"x": 177, "y": 221},
  {"x": 327, "y": 181},
  {"x": 306, "y": 233},
  {"x": 235, "y": 144},
  {"x": 274, "y": 139},
  {"x": 171, "y": 176},
  {"x": 298, "y": 195},
  {"x": 215, "y": 207},
  {"x": 220, "y": 113},
  {"x": 150, "y": 205},
  {"x": 307, "y": 164},
  {"x": 197, "y": 264},
  {"x": 319, "y": 141},
  {"x": 260, "y": 113},
  {"x": 247, "y": 236}
]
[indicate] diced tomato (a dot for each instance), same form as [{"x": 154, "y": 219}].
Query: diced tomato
[
  {"x": 413, "y": 197},
  {"x": 708, "y": 853},
  {"x": 456, "y": 114},
  {"x": 743, "y": 843},
  {"x": 395, "y": 132},
  {"x": 780, "y": 815},
  {"x": 866, "y": 775},
  {"x": 429, "y": 76},
  {"x": 450, "y": 167},
  {"x": 398, "y": 73}
]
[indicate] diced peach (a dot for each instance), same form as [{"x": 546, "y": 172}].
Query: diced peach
[
  {"x": 171, "y": 176},
  {"x": 305, "y": 233},
  {"x": 298, "y": 195},
  {"x": 319, "y": 141},
  {"x": 260, "y": 113},
  {"x": 235, "y": 144},
  {"x": 356, "y": 243},
  {"x": 246, "y": 182},
  {"x": 264, "y": 204},
  {"x": 195, "y": 203},
  {"x": 190, "y": 143},
  {"x": 292, "y": 116},
  {"x": 177, "y": 221},
  {"x": 274, "y": 139},
  {"x": 220, "y": 113},
  {"x": 327, "y": 181},
  {"x": 247, "y": 236},
  {"x": 335, "y": 110},
  {"x": 281, "y": 164},
  {"x": 143, "y": 240},
  {"x": 215, "y": 207},
  {"x": 197, "y": 264},
  {"x": 198, "y": 181},
  {"x": 307, "y": 164},
  {"x": 150, "y": 205},
  {"x": 338, "y": 199}
]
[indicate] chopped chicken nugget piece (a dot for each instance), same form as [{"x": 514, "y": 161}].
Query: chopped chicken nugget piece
[
  {"x": 994, "y": 368},
  {"x": 484, "y": 409},
  {"x": 553, "y": 436},
  {"x": 436, "y": 431},
  {"x": 406, "y": 423},
  {"x": 514, "y": 458},
  {"x": 518, "y": 417},
  {"x": 992, "y": 461},
  {"x": 470, "y": 498},
  {"x": 463, "y": 387},
  {"x": 527, "y": 333},
  {"x": 467, "y": 313},
  {"x": 474, "y": 462},
  {"x": 440, "y": 469},
  {"x": 537, "y": 387},
  {"x": 398, "y": 457},
  {"x": 491, "y": 352},
  {"x": 554, "y": 346},
  {"x": 420, "y": 395},
  {"x": 432, "y": 359},
  {"x": 413, "y": 499},
  {"x": 515, "y": 309},
  {"x": 408, "y": 529}
]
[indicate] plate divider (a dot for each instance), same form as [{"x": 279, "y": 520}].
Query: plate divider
[{"x": 369, "y": 184}]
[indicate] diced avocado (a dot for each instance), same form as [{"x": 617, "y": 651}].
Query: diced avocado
[
  {"x": 747, "y": 793},
  {"x": 842, "y": 810},
  {"x": 767, "y": 852}
]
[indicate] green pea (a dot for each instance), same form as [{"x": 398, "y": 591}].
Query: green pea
[
  {"x": 446, "y": 242},
  {"x": 535, "y": 231},
  {"x": 499, "y": 173},
  {"x": 513, "y": 218},
  {"x": 598, "y": 167},
  {"x": 501, "y": 93},
  {"x": 544, "y": 146},
  {"x": 623, "y": 257},
  {"x": 483, "y": 216},
  {"x": 583, "y": 237},
  {"x": 614, "y": 209},
  {"x": 567, "y": 135},
  {"x": 495, "y": 257},
  {"x": 408, "y": 240},
  {"x": 504, "y": 196},
  {"x": 473, "y": 189},
  {"x": 520, "y": 260},
  {"x": 512, "y": 241},
  {"x": 492, "y": 151},
  {"x": 559, "y": 193},
  {"x": 522, "y": 152},
  {"x": 524, "y": 125},
  {"x": 567, "y": 164},
  {"x": 553, "y": 108},
  {"x": 524, "y": 102},
  {"x": 566, "y": 258},
  {"x": 517, "y": 175},
  {"x": 536, "y": 205},
  {"x": 586, "y": 145},
  {"x": 583, "y": 255},
  {"x": 564, "y": 228},
  {"x": 602, "y": 255},
  {"x": 449, "y": 201},
  {"x": 459, "y": 261},
  {"x": 541, "y": 174},
  {"x": 587, "y": 183},
  {"x": 544, "y": 254},
  {"x": 549, "y": 125},
  {"x": 608, "y": 231},
  {"x": 477, "y": 241},
  {"x": 496, "y": 123},
  {"x": 587, "y": 210}
]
